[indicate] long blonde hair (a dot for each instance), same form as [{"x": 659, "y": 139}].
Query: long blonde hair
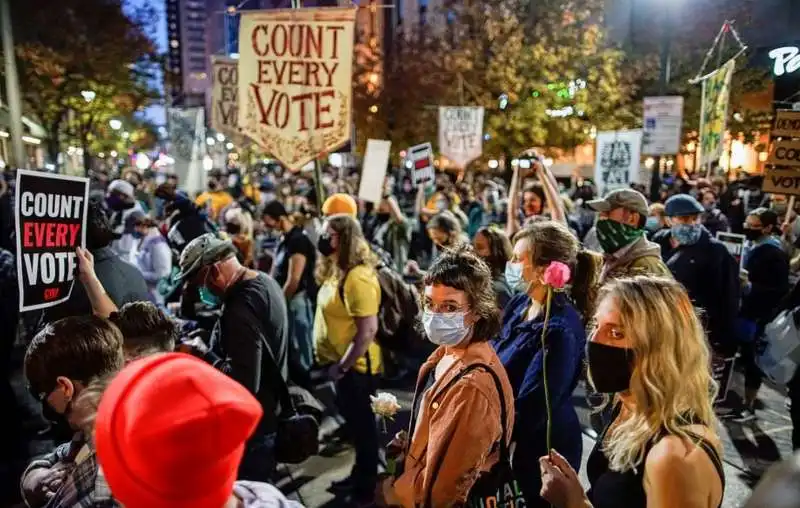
[
  {"x": 353, "y": 250},
  {"x": 671, "y": 385}
]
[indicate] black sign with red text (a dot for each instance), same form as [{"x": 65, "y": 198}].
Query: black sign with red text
[{"x": 51, "y": 223}]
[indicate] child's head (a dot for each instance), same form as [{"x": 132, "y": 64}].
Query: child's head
[{"x": 67, "y": 355}]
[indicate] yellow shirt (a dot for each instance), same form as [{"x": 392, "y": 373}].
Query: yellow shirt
[
  {"x": 219, "y": 200},
  {"x": 334, "y": 324}
]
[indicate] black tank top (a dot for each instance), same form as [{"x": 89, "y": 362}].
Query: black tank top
[{"x": 612, "y": 489}]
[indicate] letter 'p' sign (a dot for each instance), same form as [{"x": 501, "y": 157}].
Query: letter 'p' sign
[{"x": 51, "y": 223}]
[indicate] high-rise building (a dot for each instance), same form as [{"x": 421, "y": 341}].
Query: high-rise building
[{"x": 187, "y": 77}]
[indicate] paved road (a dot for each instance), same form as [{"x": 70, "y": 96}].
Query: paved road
[{"x": 749, "y": 450}]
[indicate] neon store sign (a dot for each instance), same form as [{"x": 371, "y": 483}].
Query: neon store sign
[{"x": 787, "y": 60}]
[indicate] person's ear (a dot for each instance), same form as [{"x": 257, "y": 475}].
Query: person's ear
[{"x": 66, "y": 386}]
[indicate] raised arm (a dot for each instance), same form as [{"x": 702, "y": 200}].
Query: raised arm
[
  {"x": 512, "y": 222},
  {"x": 102, "y": 305}
]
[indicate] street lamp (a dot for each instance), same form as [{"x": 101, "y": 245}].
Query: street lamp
[
  {"x": 220, "y": 137},
  {"x": 115, "y": 124},
  {"x": 210, "y": 141},
  {"x": 126, "y": 134},
  {"x": 88, "y": 95},
  {"x": 229, "y": 146}
]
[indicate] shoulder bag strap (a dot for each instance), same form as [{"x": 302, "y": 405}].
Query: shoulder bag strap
[{"x": 504, "y": 455}]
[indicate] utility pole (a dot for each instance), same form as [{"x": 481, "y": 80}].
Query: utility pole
[
  {"x": 663, "y": 84},
  {"x": 12, "y": 85}
]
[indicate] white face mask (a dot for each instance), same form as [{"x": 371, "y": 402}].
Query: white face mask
[
  {"x": 445, "y": 329},
  {"x": 514, "y": 275}
]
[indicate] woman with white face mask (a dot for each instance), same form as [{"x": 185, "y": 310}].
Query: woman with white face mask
[
  {"x": 521, "y": 346},
  {"x": 462, "y": 394}
]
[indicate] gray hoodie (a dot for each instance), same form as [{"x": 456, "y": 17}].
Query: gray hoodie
[
  {"x": 642, "y": 257},
  {"x": 262, "y": 495}
]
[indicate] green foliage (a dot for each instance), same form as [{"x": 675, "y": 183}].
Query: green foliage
[{"x": 64, "y": 47}]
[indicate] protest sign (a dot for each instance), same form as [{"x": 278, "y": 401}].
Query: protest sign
[
  {"x": 782, "y": 181},
  {"x": 785, "y": 153},
  {"x": 714, "y": 113},
  {"x": 461, "y": 134},
  {"x": 225, "y": 91},
  {"x": 787, "y": 124},
  {"x": 187, "y": 134},
  {"x": 295, "y": 81},
  {"x": 373, "y": 173},
  {"x": 734, "y": 243},
  {"x": 663, "y": 121},
  {"x": 421, "y": 158},
  {"x": 617, "y": 160},
  {"x": 51, "y": 224}
]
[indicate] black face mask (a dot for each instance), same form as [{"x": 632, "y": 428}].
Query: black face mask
[
  {"x": 610, "y": 367},
  {"x": 233, "y": 228},
  {"x": 753, "y": 234},
  {"x": 383, "y": 217},
  {"x": 324, "y": 246}
]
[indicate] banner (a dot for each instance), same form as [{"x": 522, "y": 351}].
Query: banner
[
  {"x": 787, "y": 124},
  {"x": 663, "y": 124},
  {"x": 376, "y": 160},
  {"x": 295, "y": 81},
  {"x": 224, "y": 94},
  {"x": 51, "y": 225},
  {"x": 421, "y": 158},
  {"x": 714, "y": 113},
  {"x": 617, "y": 160},
  {"x": 187, "y": 134},
  {"x": 461, "y": 134}
]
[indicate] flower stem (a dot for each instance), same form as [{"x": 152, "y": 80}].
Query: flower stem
[{"x": 544, "y": 370}]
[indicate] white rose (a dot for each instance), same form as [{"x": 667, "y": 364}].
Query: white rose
[{"x": 384, "y": 404}]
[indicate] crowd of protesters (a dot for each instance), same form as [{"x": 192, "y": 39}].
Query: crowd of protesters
[{"x": 188, "y": 362}]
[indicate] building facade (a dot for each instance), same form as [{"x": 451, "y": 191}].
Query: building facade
[{"x": 187, "y": 78}]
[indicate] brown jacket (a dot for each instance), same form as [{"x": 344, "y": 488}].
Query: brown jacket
[
  {"x": 457, "y": 430},
  {"x": 643, "y": 257}
]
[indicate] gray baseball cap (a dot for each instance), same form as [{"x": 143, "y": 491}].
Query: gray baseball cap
[
  {"x": 628, "y": 199},
  {"x": 203, "y": 251}
]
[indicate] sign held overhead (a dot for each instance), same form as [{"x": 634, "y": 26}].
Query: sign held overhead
[
  {"x": 785, "y": 153},
  {"x": 782, "y": 181},
  {"x": 373, "y": 173},
  {"x": 787, "y": 124},
  {"x": 461, "y": 134},
  {"x": 295, "y": 81},
  {"x": 422, "y": 169},
  {"x": 663, "y": 122},
  {"x": 51, "y": 225}
]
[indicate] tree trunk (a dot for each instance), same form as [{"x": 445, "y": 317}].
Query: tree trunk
[
  {"x": 52, "y": 144},
  {"x": 87, "y": 158}
]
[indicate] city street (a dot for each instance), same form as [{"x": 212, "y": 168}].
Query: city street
[{"x": 749, "y": 451}]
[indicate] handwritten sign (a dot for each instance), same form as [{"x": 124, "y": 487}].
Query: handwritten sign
[
  {"x": 782, "y": 181},
  {"x": 295, "y": 81},
  {"x": 51, "y": 224},
  {"x": 787, "y": 124},
  {"x": 785, "y": 153},
  {"x": 787, "y": 60},
  {"x": 373, "y": 174},
  {"x": 461, "y": 134},
  {"x": 224, "y": 96}
]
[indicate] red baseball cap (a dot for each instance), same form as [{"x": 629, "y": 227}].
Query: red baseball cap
[{"x": 170, "y": 432}]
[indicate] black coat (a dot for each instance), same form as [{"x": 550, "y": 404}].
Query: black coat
[
  {"x": 710, "y": 275},
  {"x": 767, "y": 267}
]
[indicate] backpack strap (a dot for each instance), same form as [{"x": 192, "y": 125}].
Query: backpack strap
[{"x": 504, "y": 452}]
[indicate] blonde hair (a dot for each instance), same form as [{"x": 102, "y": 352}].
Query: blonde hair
[
  {"x": 87, "y": 402},
  {"x": 671, "y": 384},
  {"x": 353, "y": 250}
]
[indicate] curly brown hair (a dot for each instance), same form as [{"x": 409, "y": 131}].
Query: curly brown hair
[
  {"x": 462, "y": 269},
  {"x": 499, "y": 249},
  {"x": 353, "y": 250},
  {"x": 550, "y": 241}
]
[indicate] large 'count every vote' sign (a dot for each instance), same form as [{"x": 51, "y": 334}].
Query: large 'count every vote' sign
[
  {"x": 51, "y": 223},
  {"x": 295, "y": 79}
]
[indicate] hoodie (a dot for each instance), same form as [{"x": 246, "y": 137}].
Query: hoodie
[
  {"x": 642, "y": 257},
  {"x": 262, "y": 495}
]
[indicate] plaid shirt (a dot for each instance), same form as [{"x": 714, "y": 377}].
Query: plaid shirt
[{"x": 85, "y": 486}]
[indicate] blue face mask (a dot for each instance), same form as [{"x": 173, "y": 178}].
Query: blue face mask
[
  {"x": 137, "y": 234},
  {"x": 208, "y": 298},
  {"x": 652, "y": 224},
  {"x": 686, "y": 234},
  {"x": 445, "y": 329},
  {"x": 514, "y": 275}
]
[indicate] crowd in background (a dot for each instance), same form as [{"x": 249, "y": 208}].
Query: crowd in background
[{"x": 191, "y": 357}]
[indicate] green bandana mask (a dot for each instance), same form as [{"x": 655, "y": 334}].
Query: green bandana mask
[{"x": 614, "y": 235}]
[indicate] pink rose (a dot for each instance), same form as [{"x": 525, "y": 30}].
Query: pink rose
[{"x": 557, "y": 275}]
